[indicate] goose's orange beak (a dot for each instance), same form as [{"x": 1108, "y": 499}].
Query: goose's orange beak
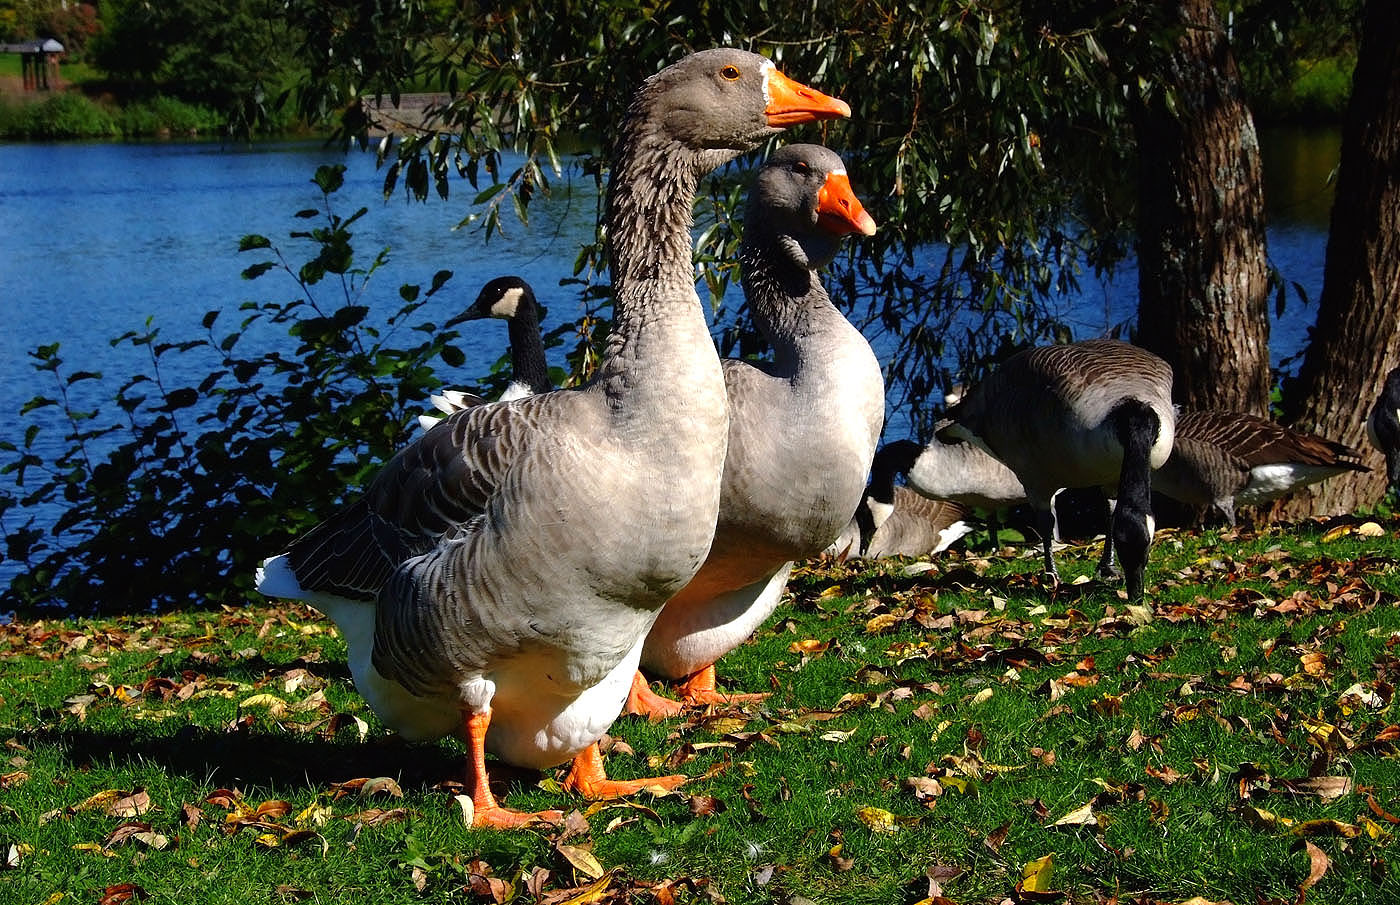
[
  {"x": 790, "y": 103},
  {"x": 839, "y": 211}
]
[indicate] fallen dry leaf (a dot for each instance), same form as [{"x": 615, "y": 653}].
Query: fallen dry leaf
[
  {"x": 582, "y": 860},
  {"x": 1080, "y": 816},
  {"x": 1318, "y": 862},
  {"x": 1035, "y": 876},
  {"x": 122, "y": 893},
  {"x": 878, "y": 820}
]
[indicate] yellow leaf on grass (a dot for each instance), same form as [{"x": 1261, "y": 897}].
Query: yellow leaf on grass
[
  {"x": 1266, "y": 820},
  {"x": 878, "y": 820},
  {"x": 1035, "y": 876},
  {"x": 1327, "y": 827},
  {"x": 1080, "y": 816},
  {"x": 877, "y": 624},
  {"x": 582, "y": 860},
  {"x": 275, "y": 706},
  {"x": 100, "y": 801},
  {"x": 595, "y": 892},
  {"x": 316, "y": 814}
]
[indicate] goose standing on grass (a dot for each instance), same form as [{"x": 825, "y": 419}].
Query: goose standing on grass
[
  {"x": 802, "y": 428},
  {"x": 1383, "y": 427},
  {"x": 501, "y": 572},
  {"x": 957, "y": 472},
  {"x": 905, "y": 523},
  {"x": 511, "y": 299},
  {"x": 1220, "y": 459},
  {"x": 1085, "y": 414}
]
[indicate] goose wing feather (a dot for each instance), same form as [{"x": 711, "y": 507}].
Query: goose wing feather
[
  {"x": 1259, "y": 441},
  {"x": 436, "y": 486}
]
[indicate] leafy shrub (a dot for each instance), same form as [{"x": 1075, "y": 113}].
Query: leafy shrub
[
  {"x": 171, "y": 495},
  {"x": 63, "y": 114},
  {"x": 162, "y": 115}
]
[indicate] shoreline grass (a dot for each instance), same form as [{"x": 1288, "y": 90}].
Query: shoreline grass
[{"x": 939, "y": 734}]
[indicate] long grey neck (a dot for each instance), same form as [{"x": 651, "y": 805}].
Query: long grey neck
[
  {"x": 527, "y": 359},
  {"x": 789, "y": 303},
  {"x": 657, "y": 318}
]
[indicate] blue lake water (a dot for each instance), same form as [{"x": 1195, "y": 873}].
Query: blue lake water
[{"x": 96, "y": 238}]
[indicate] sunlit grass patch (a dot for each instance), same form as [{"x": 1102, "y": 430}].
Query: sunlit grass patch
[{"x": 966, "y": 731}]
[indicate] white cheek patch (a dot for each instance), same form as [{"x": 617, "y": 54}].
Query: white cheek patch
[
  {"x": 767, "y": 70},
  {"x": 508, "y": 303},
  {"x": 879, "y": 511}
]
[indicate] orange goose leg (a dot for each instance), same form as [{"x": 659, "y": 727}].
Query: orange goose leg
[
  {"x": 486, "y": 812},
  {"x": 642, "y": 701},
  {"x": 699, "y": 689},
  {"x": 587, "y": 778}
]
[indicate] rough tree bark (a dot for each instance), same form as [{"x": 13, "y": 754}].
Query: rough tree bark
[
  {"x": 1356, "y": 340},
  {"x": 1203, "y": 276}
]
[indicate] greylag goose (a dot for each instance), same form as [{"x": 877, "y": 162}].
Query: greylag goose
[
  {"x": 511, "y": 299},
  {"x": 501, "y": 572},
  {"x": 1085, "y": 414},
  {"x": 1383, "y": 427},
  {"x": 1221, "y": 459},
  {"x": 802, "y": 428}
]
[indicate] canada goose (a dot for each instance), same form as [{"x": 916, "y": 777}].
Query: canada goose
[
  {"x": 1383, "y": 427},
  {"x": 501, "y": 572},
  {"x": 802, "y": 428},
  {"x": 1082, "y": 414},
  {"x": 511, "y": 299},
  {"x": 1223, "y": 458},
  {"x": 908, "y": 524},
  {"x": 958, "y": 472}
]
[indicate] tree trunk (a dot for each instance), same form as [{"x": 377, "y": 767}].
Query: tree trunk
[
  {"x": 1203, "y": 277},
  {"x": 1354, "y": 343}
]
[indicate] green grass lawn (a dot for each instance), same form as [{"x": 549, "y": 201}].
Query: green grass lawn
[{"x": 946, "y": 734}]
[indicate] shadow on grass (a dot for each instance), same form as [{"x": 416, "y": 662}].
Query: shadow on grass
[{"x": 243, "y": 758}]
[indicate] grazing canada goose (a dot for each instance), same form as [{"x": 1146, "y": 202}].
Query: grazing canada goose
[
  {"x": 1223, "y": 458},
  {"x": 511, "y": 299},
  {"x": 907, "y": 523},
  {"x": 1383, "y": 427},
  {"x": 501, "y": 572},
  {"x": 1083, "y": 414},
  {"x": 802, "y": 428},
  {"x": 958, "y": 472}
]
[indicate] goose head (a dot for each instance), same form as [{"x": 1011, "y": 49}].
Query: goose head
[
  {"x": 729, "y": 100},
  {"x": 504, "y": 297},
  {"x": 803, "y": 198}
]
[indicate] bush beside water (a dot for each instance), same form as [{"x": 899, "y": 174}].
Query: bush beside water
[{"x": 67, "y": 115}]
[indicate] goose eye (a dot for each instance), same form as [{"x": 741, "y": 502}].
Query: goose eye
[
  {"x": 801, "y": 167},
  {"x": 730, "y": 72}
]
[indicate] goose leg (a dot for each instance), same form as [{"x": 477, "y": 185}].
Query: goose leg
[
  {"x": 1046, "y": 518},
  {"x": 486, "y": 811},
  {"x": 642, "y": 701},
  {"x": 1108, "y": 570},
  {"x": 587, "y": 778},
  {"x": 699, "y": 689}
]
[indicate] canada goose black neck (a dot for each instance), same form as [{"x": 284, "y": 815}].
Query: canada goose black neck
[
  {"x": 527, "y": 359},
  {"x": 1137, "y": 426}
]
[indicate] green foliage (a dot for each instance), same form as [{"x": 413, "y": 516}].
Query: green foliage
[
  {"x": 202, "y": 482},
  {"x": 59, "y": 115},
  {"x": 227, "y": 56},
  {"x": 63, "y": 115},
  {"x": 167, "y": 116}
]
